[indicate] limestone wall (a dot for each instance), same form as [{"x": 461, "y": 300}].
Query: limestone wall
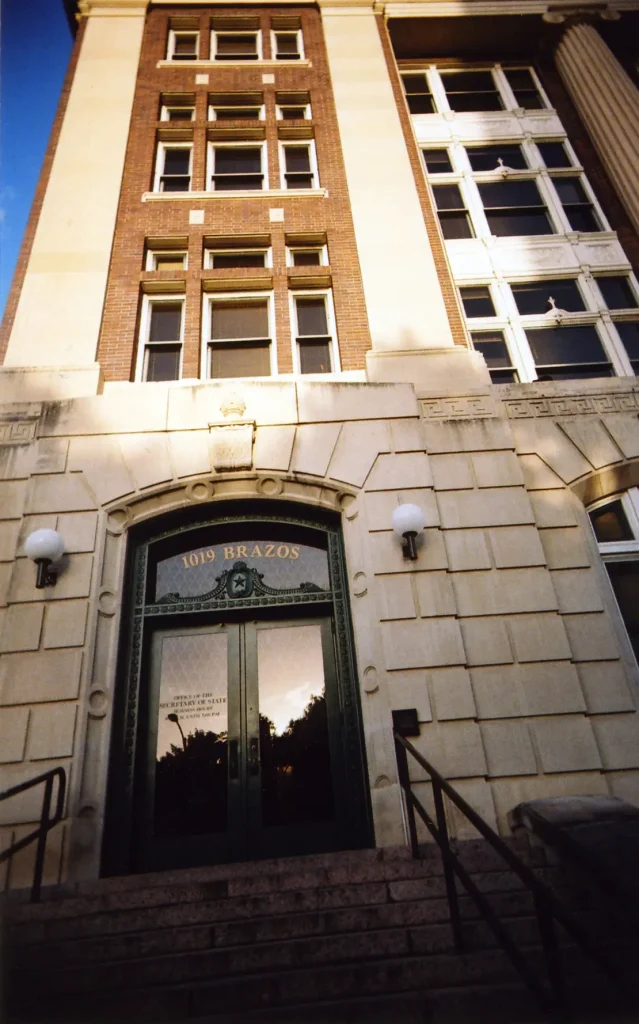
[{"x": 503, "y": 634}]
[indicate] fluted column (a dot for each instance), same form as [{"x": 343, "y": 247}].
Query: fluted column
[{"x": 608, "y": 103}]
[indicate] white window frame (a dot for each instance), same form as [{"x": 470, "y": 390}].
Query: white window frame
[
  {"x": 308, "y": 115},
  {"x": 148, "y": 301},
  {"x": 254, "y": 144},
  {"x": 152, "y": 254},
  {"x": 298, "y": 144},
  {"x": 167, "y": 107},
  {"x": 162, "y": 147},
  {"x": 321, "y": 249},
  {"x": 633, "y": 285},
  {"x": 232, "y": 297},
  {"x": 209, "y": 253},
  {"x": 314, "y": 293},
  {"x": 288, "y": 32},
  {"x": 257, "y": 32},
  {"x": 173, "y": 34},
  {"x": 213, "y": 107},
  {"x": 621, "y": 550}
]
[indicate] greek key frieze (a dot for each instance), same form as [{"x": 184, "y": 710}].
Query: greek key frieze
[
  {"x": 572, "y": 405},
  {"x": 459, "y": 408},
  {"x": 17, "y": 431}
]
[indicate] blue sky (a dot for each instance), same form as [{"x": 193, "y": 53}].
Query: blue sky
[{"x": 35, "y": 46}]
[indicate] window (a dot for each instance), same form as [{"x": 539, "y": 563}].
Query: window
[
  {"x": 231, "y": 259},
  {"x": 173, "y": 168},
  {"x": 239, "y": 337},
  {"x": 525, "y": 88},
  {"x": 287, "y": 45},
  {"x": 236, "y": 167},
  {"x": 182, "y": 45},
  {"x": 491, "y": 158},
  {"x": 313, "y": 334},
  {"x": 477, "y": 301},
  {"x": 554, "y": 154},
  {"x": 615, "y": 522},
  {"x": 169, "y": 260},
  {"x": 236, "y": 107},
  {"x": 307, "y": 256},
  {"x": 471, "y": 90},
  {"x": 629, "y": 334},
  {"x": 161, "y": 339},
  {"x": 452, "y": 213},
  {"x": 437, "y": 161},
  {"x": 299, "y": 165},
  {"x": 617, "y": 292},
  {"x": 177, "y": 113},
  {"x": 293, "y": 106},
  {"x": 418, "y": 95},
  {"x": 568, "y": 353},
  {"x": 514, "y": 208},
  {"x": 543, "y": 296},
  {"x": 494, "y": 349},
  {"x": 576, "y": 204},
  {"x": 236, "y": 45}
]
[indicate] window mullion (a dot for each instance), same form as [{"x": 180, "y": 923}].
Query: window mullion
[
  {"x": 437, "y": 89},
  {"x": 521, "y": 352},
  {"x": 615, "y": 347},
  {"x": 507, "y": 95},
  {"x": 474, "y": 204},
  {"x": 558, "y": 216}
]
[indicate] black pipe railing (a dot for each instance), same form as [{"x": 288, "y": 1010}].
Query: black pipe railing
[
  {"x": 551, "y": 995},
  {"x": 47, "y": 822}
]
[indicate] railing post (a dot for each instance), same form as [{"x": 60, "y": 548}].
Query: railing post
[
  {"x": 552, "y": 955},
  {"x": 404, "y": 781},
  {"x": 449, "y": 874},
  {"x": 42, "y": 840}
]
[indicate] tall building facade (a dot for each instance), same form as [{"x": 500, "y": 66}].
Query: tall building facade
[{"x": 288, "y": 268}]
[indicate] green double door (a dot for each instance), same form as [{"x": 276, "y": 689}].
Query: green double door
[{"x": 243, "y": 754}]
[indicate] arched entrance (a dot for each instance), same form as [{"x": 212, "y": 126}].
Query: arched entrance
[{"x": 237, "y": 731}]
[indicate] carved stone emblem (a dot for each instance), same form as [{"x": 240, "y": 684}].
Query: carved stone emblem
[
  {"x": 232, "y": 445},
  {"x": 239, "y": 581},
  {"x": 232, "y": 406}
]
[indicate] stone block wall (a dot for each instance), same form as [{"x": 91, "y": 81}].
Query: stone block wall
[{"x": 503, "y": 634}]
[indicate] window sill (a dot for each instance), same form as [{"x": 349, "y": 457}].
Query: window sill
[
  {"x": 273, "y": 193},
  {"x": 234, "y": 63}
]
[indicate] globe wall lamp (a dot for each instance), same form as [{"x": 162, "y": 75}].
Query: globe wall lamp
[
  {"x": 408, "y": 521},
  {"x": 45, "y": 547}
]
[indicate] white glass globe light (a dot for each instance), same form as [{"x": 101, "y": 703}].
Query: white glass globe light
[
  {"x": 408, "y": 519},
  {"x": 44, "y": 545}
]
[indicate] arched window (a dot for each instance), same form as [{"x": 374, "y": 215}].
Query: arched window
[{"x": 615, "y": 521}]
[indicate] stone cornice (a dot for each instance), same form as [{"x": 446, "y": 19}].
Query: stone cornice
[
  {"x": 111, "y": 8},
  {"x": 477, "y": 8}
]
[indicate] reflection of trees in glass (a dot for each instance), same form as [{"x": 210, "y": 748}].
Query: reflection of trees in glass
[
  {"x": 190, "y": 786},
  {"x": 296, "y": 771}
]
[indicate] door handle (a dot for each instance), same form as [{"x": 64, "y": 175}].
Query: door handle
[
  {"x": 254, "y": 755},
  {"x": 233, "y": 760}
]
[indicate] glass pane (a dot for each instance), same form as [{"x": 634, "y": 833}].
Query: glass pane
[
  {"x": 455, "y": 225},
  {"x": 582, "y": 218},
  {"x": 315, "y": 357},
  {"x": 610, "y": 523},
  {"x": 294, "y": 747},
  {"x": 165, "y": 322},
  {"x": 176, "y": 184},
  {"x": 170, "y": 261},
  {"x": 468, "y": 81},
  {"x": 617, "y": 292},
  {"x": 162, "y": 362},
  {"x": 286, "y": 43},
  {"x": 415, "y": 84},
  {"x": 519, "y": 222},
  {"x": 492, "y": 346},
  {"x": 185, "y": 46},
  {"x": 311, "y": 316},
  {"x": 176, "y": 161},
  {"x": 477, "y": 301},
  {"x": 236, "y": 46},
  {"x": 504, "y": 377},
  {"x": 236, "y": 182},
  {"x": 467, "y": 101},
  {"x": 520, "y": 78},
  {"x": 284, "y": 565},
  {"x": 240, "y": 361},
  {"x": 306, "y": 259},
  {"x": 448, "y": 197},
  {"x": 437, "y": 160},
  {"x": 554, "y": 154},
  {"x": 191, "y": 754},
  {"x": 529, "y": 100},
  {"x": 421, "y": 104},
  {"x": 243, "y": 160},
  {"x": 240, "y": 320},
  {"x": 556, "y": 345},
  {"x": 570, "y": 190},
  {"x": 624, "y": 577},
  {"x": 297, "y": 158},
  {"x": 237, "y": 113},
  {"x": 630, "y": 336},
  {"x": 293, "y": 113},
  {"x": 486, "y": 158},
  {"x": 535, "y": 298},
  {"x": 181, "y": 114},
  {"x": 237, "y": 259},
  {"x": 496, "y": 194}
]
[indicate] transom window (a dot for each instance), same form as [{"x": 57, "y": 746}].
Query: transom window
[
  {"x": 437, "y": 161},
  {"x": 471, "y": 90},
  {"x": 544, "y": 296},
  {"x": 554, "y": 154},
  {"x": 491, "y": 158},
  {"x": 293, "y": 106},
  {"x": 177, "y": 112},
  {"x": 183, "y": 45},
  {"x": 617, "y": 292},
  {"x": 239, "y": 336},
  {"x": 307, "y": 255},
  {"x": 173, "y": 167},
  {"x": 236, "y": 106},
  {"x": 236, "y": 46},
  {"x": 418, "y": 95},
  {"x": 477, "y": 90},
  {"x": 235, "y": 167},
  {"x": 170, "y": 259},
  {"x": 230, "y": 259},
  {"x": 515, "y": 208},
  {"x": 161, "y": 335},
  {"x": 525, "y": 88},
  {"x": 314, "y": 335}
]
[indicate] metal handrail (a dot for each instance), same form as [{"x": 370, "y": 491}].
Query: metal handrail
[
  {"x": 47, "y": 822},
  {"x": 548, "y": 909}
]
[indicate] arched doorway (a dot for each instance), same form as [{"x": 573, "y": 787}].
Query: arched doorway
[{"x": 237, "y": 731}]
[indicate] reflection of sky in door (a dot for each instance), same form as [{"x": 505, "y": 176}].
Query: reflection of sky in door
[
  {"x": 193, "y": 686},
  {"x": 290, "y": 671}
]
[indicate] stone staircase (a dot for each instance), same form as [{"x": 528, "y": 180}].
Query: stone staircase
[{"x": 333, "y": 938}]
